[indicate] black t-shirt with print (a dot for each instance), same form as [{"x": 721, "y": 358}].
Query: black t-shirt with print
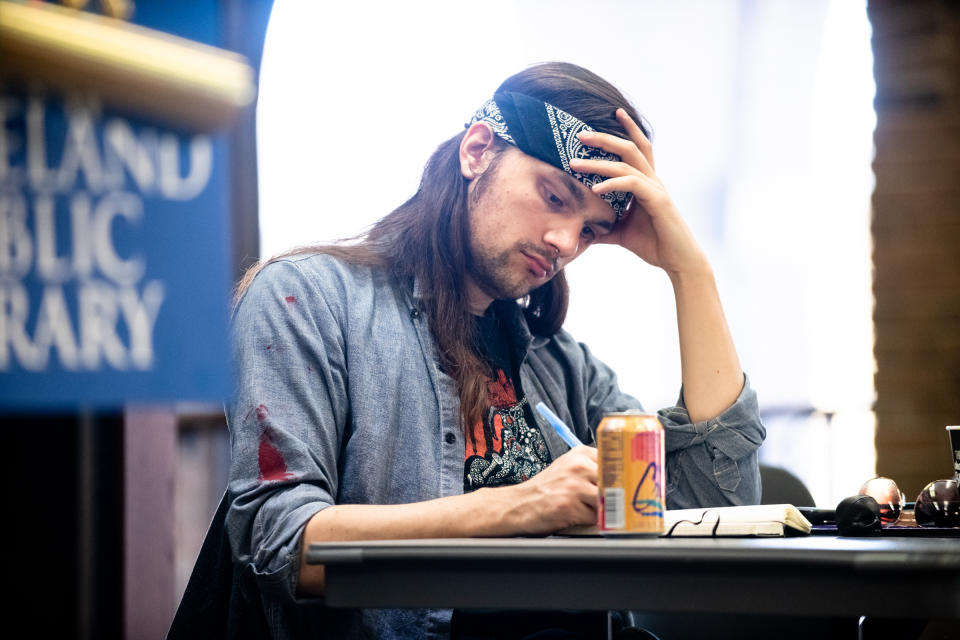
[{"x": 506, "y": 447}]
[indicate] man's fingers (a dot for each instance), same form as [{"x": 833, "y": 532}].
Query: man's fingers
[
  {"x": 623, "y": 183},
  {"x": 580, "y": 462},
  {"x": 603, "y": 167},
  {"x": 589, "y": 498},
  {"x": 588, "y": 455},
  {"x": 636, "y": 134},
  {"x": 642, "y": 188},
  {"x": 628, "y": 178},
  {"x": 628, "y": 150},
  {"x": 572, "y": 482},
  {"x": 590, "y": 452}
]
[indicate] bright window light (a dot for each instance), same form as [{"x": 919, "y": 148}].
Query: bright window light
[{"x": 763, "y": 125}]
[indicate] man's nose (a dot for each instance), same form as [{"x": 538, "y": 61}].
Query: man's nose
[{"x": 564, "y": 238}]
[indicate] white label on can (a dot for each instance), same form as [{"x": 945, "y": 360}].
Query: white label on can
[{"x": 614, "y": 509}]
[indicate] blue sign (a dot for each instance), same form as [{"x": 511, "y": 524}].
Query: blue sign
[{"x": 114, "y": 252}]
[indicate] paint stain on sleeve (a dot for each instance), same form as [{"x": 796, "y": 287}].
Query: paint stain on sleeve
[
  {"x": 290, "y": 299},
  {"x": 272, "y": 465},
  {"x": 270, "y": 461}
]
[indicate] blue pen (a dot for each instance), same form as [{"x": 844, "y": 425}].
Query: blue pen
[{"x": 562, "y": 430}]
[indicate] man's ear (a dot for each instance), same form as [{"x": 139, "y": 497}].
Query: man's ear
[{"x": 477, "y": 148}]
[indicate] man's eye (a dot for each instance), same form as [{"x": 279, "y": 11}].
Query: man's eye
[
  {"x": 553, "y": 200},
  {"x": 587, "y": 233}
]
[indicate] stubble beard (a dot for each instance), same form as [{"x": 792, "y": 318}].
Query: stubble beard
[{"x": 494, "y": 272}]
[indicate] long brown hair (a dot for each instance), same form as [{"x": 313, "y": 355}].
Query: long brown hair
[{"x": 427, "y": 237}]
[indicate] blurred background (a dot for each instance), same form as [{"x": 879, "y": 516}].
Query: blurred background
[{"x": 813, "y": 147}]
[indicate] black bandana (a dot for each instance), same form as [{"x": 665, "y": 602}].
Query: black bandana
[{"x": 547, "y": 133}]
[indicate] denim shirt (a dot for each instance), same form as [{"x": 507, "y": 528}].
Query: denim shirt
[{"x": 339, "y": 399}]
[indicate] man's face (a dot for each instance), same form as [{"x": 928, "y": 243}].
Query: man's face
[{"x": 528, "y": 220}]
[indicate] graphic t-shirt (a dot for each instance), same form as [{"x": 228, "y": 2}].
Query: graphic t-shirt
[{"x": 506, "y": 446}]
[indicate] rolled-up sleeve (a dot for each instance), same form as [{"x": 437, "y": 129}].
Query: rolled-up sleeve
[
  {"x": 286, "y": 419},
  {"x": 709, "y": 464},
  {"x": 713, "y": 463}
]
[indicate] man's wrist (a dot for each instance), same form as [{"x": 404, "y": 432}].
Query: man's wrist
[
  {"x": 697, "y": 271},
  {"x": 494, "y": 515}
]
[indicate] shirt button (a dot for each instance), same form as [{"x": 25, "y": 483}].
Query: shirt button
[{"x": 450, "y": 438}]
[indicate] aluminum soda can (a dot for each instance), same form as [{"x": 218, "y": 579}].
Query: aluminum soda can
[{"x": 631, "y": 481}]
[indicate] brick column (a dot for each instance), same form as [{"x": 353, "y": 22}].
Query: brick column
[{"x": 916, "y": 236}]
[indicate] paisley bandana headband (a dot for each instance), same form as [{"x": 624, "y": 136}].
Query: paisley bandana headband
[{"x": 549, "y": 134}]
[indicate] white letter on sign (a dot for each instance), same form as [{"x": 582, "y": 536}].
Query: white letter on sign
[
  {"x": 111, "y": 265},
  {"x": 16, "y": 245}
]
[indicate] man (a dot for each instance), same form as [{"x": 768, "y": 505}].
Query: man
[{"x": 384, "y": 387}]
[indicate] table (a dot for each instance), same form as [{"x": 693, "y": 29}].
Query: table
[{"x": 806, "y": 576}]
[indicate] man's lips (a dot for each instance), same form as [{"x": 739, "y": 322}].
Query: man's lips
[{"x": 540, "y": 267}]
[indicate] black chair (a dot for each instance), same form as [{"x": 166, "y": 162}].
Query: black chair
[
  {"x": 221, "y": 601},
  {"x": 782, "y": 487}
]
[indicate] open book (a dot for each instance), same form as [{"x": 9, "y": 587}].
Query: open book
[{"x": 752, "y": 520}]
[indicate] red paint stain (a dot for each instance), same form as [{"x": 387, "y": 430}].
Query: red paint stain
[
  {"x": 290, "y": 299},
  {"x": 270, "y": 460},
  {"x": 269, "y": 346}
]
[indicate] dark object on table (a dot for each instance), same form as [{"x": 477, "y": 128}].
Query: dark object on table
[
  {"x": 825, "y": 524},
  {"x": 954, "y": 432},
  {"x": 779, "y": 486},
  {"x": 938, "y": 505},
  {"x": 820, "y": 516},
  {"x": 887, "y": 494},
  {"x": 858, "y": 516}
]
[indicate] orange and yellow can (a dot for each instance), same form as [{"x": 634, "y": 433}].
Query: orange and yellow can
[{"x": 630, "y": 451}]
